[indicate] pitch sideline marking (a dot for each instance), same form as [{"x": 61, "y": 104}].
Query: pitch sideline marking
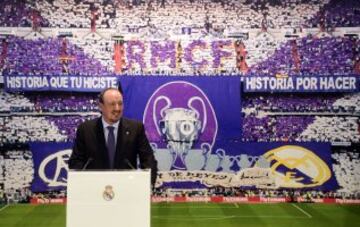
[
  {"x": 184, "y": 218},
  {"x": 303, "y": 211},
  {"x": 4, "y": 207},
  {"x": 197, "y": 207}
]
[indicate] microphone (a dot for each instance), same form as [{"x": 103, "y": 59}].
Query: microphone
[
  {"x": 129, "y": 163},
  {"x": 87, "y": 163}
]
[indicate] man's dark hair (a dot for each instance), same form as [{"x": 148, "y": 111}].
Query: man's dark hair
[{"x": 102, "y": 93}]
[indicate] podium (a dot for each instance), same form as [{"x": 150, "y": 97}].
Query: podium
[{"x": 108, "y": 198}]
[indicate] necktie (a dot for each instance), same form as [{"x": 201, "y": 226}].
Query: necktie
[{"x": 111, "y": 146}]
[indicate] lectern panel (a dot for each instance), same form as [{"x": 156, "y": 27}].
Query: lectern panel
[{"x": 109, "y": 199}]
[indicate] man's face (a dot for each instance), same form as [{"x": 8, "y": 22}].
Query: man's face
[{"x": 112, "y": 106}]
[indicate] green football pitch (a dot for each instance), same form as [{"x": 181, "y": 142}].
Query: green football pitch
[{"x": 202, "y": 214}]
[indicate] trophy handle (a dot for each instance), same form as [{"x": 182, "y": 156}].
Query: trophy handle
[
  {"x": 197, "y": 114},
  {"x": 162, "y": 110}
]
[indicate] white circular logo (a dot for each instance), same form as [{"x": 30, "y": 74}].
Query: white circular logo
[{"x": 108, "y": 193}]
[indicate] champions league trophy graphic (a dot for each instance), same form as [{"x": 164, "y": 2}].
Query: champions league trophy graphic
[{"x": 181, "y": 126}]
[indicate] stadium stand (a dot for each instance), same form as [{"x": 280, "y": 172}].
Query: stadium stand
[
  {"x": 266, "y": 54},
  {"x": 14, "y": 14},
  {"x": 14, "y": 103},
  {"x": 67, "y": 125},
  {"x": 22, "y": 129},
  {"x": 348, "y": 103},
  {"x": 346, "y": 168},
  {"x": 332, "y": 129},
  {"x": 323, "y": 41},
  {"x": 17, "y": 174},
  {"x": 42, "y": 57},
  {"x": 337, "y": 14},
  {"x": 63, "y": 102},
  {"x": 177, "y": 14},
  {"x": 324, "y": 56},
  {"x": 279, "y": 117}
]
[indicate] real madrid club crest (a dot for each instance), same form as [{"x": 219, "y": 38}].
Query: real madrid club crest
[
  {"x": 108, "y": 193},
  {"x": 297, "y": 167}
]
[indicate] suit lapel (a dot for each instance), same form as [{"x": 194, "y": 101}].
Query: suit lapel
[
  {"x": 121, "y": 141},
  {"x": 102, "y": 149},
  {"x": 119, "y": 137}
]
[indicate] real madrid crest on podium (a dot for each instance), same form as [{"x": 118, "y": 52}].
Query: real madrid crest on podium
[{"x": 108, "y": 193}]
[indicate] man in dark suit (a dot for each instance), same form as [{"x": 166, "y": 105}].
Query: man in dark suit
[{"x": 112, "y": 141}]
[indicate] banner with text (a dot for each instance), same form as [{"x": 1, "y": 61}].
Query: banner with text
[
  {"x": 256, "y": 165},
  {"x": 229, "y": 164},
  {"x": 59, "y": 83},
  {"x": 251, "y": 84},
  {"x": 302, "y": 84}
]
